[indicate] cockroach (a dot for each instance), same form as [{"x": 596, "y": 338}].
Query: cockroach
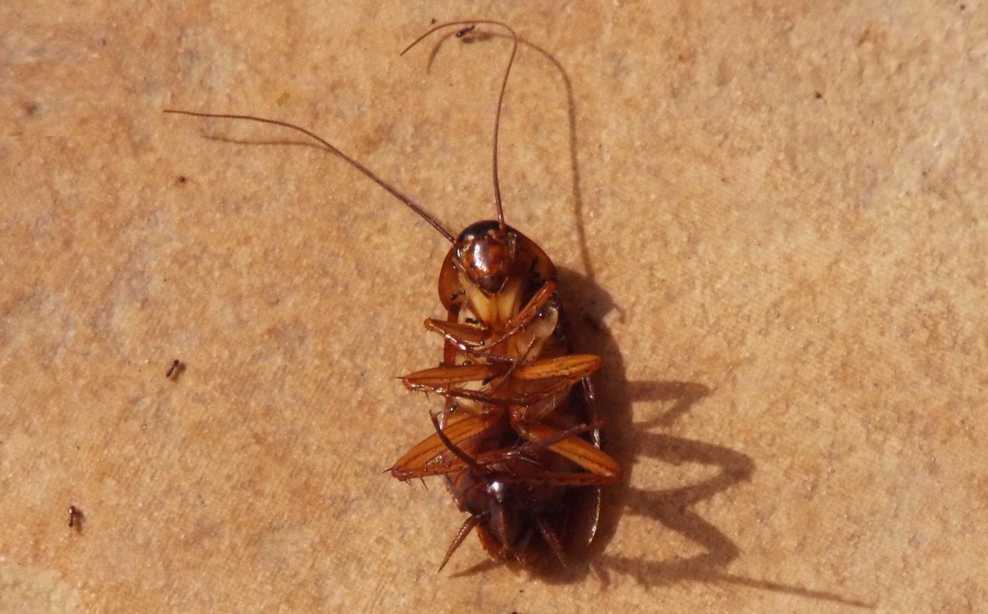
[
  {"x": 76, "y": 518},
  {"x": 516, "y": 439}
]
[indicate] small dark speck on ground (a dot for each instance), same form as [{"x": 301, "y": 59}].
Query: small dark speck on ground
[
  {"x": 76, "y": 518},
  {"x": 175, "y": 370}
]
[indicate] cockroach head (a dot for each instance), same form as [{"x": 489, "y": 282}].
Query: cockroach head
[{"x": 485, "y": 252}]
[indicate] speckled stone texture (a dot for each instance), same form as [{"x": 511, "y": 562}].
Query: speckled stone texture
[{"x": 771, "y": 221}]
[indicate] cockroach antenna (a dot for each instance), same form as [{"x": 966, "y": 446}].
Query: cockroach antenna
[
  {"x": 471, "y": 24},
  {"x": 414, "y": 206}
]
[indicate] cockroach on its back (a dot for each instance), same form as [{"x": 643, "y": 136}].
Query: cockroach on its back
[{"x": 516, "y": 439}]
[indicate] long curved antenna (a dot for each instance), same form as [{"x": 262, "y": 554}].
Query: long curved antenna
[
  {"x": 332, "y": 149},
  {"x": 500, "y": 98}
]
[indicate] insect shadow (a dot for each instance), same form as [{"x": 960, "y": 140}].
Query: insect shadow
[{"x": 631, "y": 441}]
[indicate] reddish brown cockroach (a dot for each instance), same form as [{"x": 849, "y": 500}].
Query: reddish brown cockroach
[{"x": 516, "y": 439}]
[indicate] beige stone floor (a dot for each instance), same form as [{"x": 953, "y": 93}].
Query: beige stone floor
[{"x": 771, "y": 217}]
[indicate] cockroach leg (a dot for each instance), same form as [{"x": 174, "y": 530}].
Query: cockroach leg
[
  {"x": 474, "y": 395},
  {"x": 452, "y": 447},
  {"x": 561, "y": 478},
  {"x": 426, "y": 458},
  {"x": 573, "y": 367},
  {"x": 591, "y": 398},
  {"x": 578, "y": 450},
  {"x": 460, "y": 334},
  {"x": 468, "y": 339},
  {"x": 461, "y": 535},
  {"x": 485, "y": 353},
  {"x": 525, "y": 317},
  {"x": 448, "y": 408},
  {"x": 556, "y": 437},
  {"x": 465, "y": 393},
  {"x": 438, "y": 465},
  {"x": 535, "y": 407},
  {"x": 565, "y": 370},
  {"x": 552, "y": 539},
  {"x": 521, "y": 359},
  {"x": 598, "y": 495},
  {"x": 495, "y": 381},
  {"x": 442, "y": 377}
]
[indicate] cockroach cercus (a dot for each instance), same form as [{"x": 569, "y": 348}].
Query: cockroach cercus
[{"x": 517, "y": 439}]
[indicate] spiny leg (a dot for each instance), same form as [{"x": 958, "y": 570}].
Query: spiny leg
[
  {"x": 524, "y": 317},
  {"x": 598, "y": 495},
  {"x": 514, "y": 365},
  {"x": 551, "y": 538},
  {"x": 461, "y": 535},
  {"x": 578, "y": 479},
  {"x": 444, "y": 376},
  {"x": 455, "y": 449},
  {"x": 473, "y": 395},
  {"x": 427, "y": 457},
  {"x": 591, "y": 399},
  {"x": 578, "y": 450},
  {"x": 558, "y": 436},
  {"x": 557, "y": 376},
  {"x": 573, "y": 366},
  {"x": 469, "y": 339},
  {"x": 441, "y": 466},
  {"x": 440, "y": 380},
  {"x": 459, "y": 333}
]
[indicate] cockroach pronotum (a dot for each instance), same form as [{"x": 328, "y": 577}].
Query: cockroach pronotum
[{"x": 517, "y": 439}]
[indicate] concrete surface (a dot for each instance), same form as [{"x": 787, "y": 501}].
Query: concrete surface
[{"x": 772, "y": 219}]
